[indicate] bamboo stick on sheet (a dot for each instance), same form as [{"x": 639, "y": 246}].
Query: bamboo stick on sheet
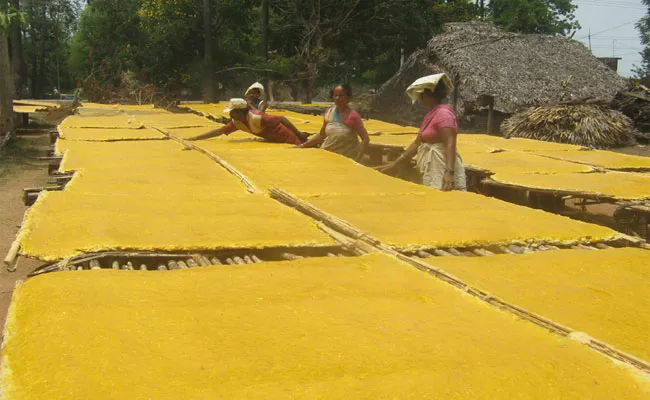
[{"x": 12, "y": 256}]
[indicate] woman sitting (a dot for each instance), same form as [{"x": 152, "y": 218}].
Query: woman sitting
[
  {"x": 342, "y": 127},
  {"x": 270, "y": 127},
  {"x": 438, "y": 160}
]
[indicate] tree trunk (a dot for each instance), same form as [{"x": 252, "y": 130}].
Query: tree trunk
[
  {"x": 265, "y": 29},
  {"x": 208, "y": 66},
  {"x": 41, "y": 72},
  {"x": 6, "y": 88},
  {"x": 18, "y": 65}
]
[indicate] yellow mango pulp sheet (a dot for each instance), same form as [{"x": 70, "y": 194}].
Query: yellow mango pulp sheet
[
  {"x": 238, "y": 140},
  {"x": 214, "y": 110},
  {"x": 405, "y": 140},
  {"x": 186, "y": 133},
  {"x": 449, "y": 219},
  {"x": 374, "y": 127},
  {"x": 169, "y": 120},
  {"x": 310, "y": 171},
  {"x": 104, "y": 134},
  {"x": 618, "y": 185},
  {"x": 89, "y": 154},
  {"x": 516, "y": 144},
  {"x": 28, "y": 109},
  {"x": 136, "y": 167},
  {"x": 321, "y": 328},
  {"x": 69, "y": 223},
  {"x": 36, "y": 103},
  {"x": 602, "y": 293},
  {"x": 123, "y": 121},
  {"x": 601, "y": 158},
  {"x": 520, "y": 163}
]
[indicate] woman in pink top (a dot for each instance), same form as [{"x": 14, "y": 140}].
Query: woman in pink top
[
  {"x": 342, "y": 127},
  {"x": 438, "y": 161}
]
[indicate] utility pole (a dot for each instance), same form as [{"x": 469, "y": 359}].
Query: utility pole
[
  {"x": 208, "y": 66},
  {"x": 590, "y": 39}
]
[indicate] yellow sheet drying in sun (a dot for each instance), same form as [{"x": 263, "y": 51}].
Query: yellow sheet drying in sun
[
  {"x": 36, "y": 103},
  {"x": 29, "y": 109},
  {"x": 618, "y": 185},
  {"x": 69, "y": 223},
  {"x": 405, "y": 140},
  {"x": 89, "y": 154},
  {"x": 123, "y": 121},
  {"x": 602, "y": 293},
  {"x": 169, "y": 120},
  {"x": 214, "y": 110},
  {"x": 238, "y": 140},
  {"x": 103, "y": 134},
  {"x": 329, "y": 328},
  {"x": 449, "y": 219},
  {"x": 374, "y": 126},
  {"x": 515, "y": 144},
  {"x": 520, "y": 163},
  {"x": 310, "y": 171},
  {"x": 601, "y": 158},
  {"x": 186, "y": 133}
]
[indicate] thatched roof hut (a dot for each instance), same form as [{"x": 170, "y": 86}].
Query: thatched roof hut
[{"x": 513, "y": 71}]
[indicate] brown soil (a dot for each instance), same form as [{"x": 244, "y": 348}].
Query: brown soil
[{"x": 19, "y": 168}]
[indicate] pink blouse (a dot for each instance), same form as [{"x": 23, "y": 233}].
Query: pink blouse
[{"x": 440, "y": 117}]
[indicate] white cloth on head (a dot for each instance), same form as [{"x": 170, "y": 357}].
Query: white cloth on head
[
  {"x": 255, "y": 85},
  {"x": 428, "y": 82},
  {"x": 236, "y": 104}
]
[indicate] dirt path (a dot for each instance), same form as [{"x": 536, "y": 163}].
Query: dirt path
[{"x": 19, "y": 169}]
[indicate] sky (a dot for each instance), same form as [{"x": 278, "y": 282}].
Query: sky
[{"x": 612, "y": 30}]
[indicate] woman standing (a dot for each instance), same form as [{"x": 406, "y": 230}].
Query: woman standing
[
  {"x": 342, "y": 127},
  {"x": 438, "y": 160}
]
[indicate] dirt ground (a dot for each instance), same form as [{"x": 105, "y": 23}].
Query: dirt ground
[{"x": 19, "y": 168}]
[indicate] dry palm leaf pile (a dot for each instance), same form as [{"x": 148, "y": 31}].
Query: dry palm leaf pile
[
  {"x": 635, "y": 104},
  {"x": 590, "y": 125}
]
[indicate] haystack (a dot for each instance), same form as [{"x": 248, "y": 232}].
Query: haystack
[
  {"x": 514, "y": 71},
  {"x": 589, "y": 125},
  {"x": 635, "y": 104}
]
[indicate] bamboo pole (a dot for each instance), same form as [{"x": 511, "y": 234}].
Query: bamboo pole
[{"x": 11, "y": 259}]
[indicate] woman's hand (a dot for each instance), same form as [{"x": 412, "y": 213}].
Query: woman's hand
[
  {"x": 386, "y": 167},
  {"x": 448, "y": 182}
]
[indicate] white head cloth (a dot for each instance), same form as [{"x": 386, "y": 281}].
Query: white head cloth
[
  {"x": 255, "y": 85},
  {"x": 235, "y": 104},
  {"x": 430, "y": 82}
]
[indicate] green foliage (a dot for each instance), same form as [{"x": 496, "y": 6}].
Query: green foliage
[
  {"x": 9, "y": 18},
  {"x": 534, "y": 16},
  {"x": 107, "y": 41},
  {"x": 642, "y": 72}
]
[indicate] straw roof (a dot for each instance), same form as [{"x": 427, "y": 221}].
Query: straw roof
[{"x": 518, "y": 70}]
